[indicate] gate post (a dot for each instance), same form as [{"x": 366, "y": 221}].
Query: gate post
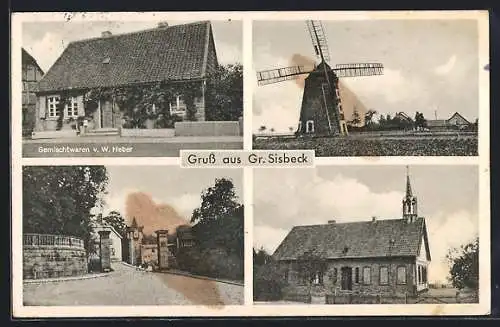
[
  {"x": 105, "y": 251},
  {"x": 162, "y": 243}
]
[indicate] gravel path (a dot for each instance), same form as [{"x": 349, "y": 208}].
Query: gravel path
[{"x": 127, "y": 286}]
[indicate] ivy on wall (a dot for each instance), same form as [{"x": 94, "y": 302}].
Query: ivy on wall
[{"x": 140, "y": 102}]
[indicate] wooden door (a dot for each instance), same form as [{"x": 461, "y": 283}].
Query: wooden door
[{"x": 346, "y": 278}]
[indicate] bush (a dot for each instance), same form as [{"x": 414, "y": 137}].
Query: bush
[
  {"x": 268, "y": 283},
  {"x": 213, "y": 262}
]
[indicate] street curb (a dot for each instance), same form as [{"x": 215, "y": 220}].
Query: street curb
[
  {"x": 63, "y": 279},
  {"x": 181, "y": 273}
]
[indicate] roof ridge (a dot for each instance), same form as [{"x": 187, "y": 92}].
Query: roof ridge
[
  {"x": 349, "y": 222},
  {"x": 138, "y": 32}
]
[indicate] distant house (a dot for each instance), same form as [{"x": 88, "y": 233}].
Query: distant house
[
  {"x": 80, "y": 84},
  {"x": 116, "y": 240},
  {"x": 456, "y": 121},
  {"x": 31, "y": 74},
  {"x": 374, "y": 257}
]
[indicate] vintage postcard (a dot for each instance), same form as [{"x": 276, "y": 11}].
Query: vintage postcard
[
  {"x": 115, "y": 87},
  {"x": 239, "y": 164},
  {"x": 369, "y": 87}
]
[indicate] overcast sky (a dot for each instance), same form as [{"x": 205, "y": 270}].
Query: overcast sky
[
  {"x": 161, "y": 196},
  {"x": 430, "y": 65},
  {"x": 447, "y": 198},
  {"x": 45, "y": 41}
]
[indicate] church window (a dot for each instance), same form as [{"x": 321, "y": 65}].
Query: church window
[
  {"x": 401, "y": 275},
  {"x": 367, "y": 274},
  {"x": 384, "y": 276}
]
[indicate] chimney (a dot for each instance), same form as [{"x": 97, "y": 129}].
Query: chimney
[
  {"x": 162, "y": 24},
  {"x": 331, "y": 222},
  {"x": 106, "y": 34}
]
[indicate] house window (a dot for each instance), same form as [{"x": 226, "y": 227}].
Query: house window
[
  {"x": 71, "y": 109},
  {"x": 367, "y": 274},
  {"x": 356, "y": 275},
  {"x": 401, "y": 275},
  {"x": 310, "y": 126},
  {"x": 285, "y": 275},
  {"x": 178, "y": 105},
  {"x": 52, "y": 105},
  {"x": 317, "y": 278},
  {"x": 334, "y": 276},
  {"x": 384, "y": 276}
]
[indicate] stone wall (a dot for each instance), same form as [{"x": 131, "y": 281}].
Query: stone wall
[{"x": 49, "y": 261}]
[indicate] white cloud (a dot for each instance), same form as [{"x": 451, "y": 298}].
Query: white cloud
[
  {"x": 228, "y": 53},
  {"x": 268, "y": 237},
  {"x": 446, "y": 68},
  {"x": 47, "y": 50},
  {"x": 448, "y": 231}
]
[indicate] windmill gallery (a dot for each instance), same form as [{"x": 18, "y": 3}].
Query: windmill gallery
[{"x": 326, "y": 103}]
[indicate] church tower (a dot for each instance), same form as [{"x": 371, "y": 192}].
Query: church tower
[{"x": 409, "y": 201}]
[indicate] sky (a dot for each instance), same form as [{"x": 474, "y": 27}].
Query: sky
[
  {"x": 447, "y": 197},
  {"x": 161, "y": 196},
  {"x": 46, "y": 41},
  {"x": 429, "y": 66}
]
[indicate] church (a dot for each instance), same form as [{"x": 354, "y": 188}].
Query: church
[{"x": 372, "y": 257}]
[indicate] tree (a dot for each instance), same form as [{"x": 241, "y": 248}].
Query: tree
[
  {"x": 420, "y": 121},
  {"x": 261, "y": 257},
  {"x": 464, "y": 265},
  {"x": 290, "y": 129},
  {"x": 216, "y": 202},
  {"x": 116, "y": 220},
  {"x": 58, "y": 199},
  {"x": 224, "y": 93},
  {"x": 272, "y": 130},
  {"x": 356, "y": 118},
  {"x": 369, "y": 116},
  {"x": 262, "y": 128}
]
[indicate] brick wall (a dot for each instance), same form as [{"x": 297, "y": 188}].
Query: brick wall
[
  {"x": 332, "y": 286},
  {"x": 53, "y": 261}
]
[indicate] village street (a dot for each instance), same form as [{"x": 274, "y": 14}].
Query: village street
[{"x": 128, "y": 286}]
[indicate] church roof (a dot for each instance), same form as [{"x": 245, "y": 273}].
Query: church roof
[
  {"x": 366, "y": 239},
  {"x": 173, "y": 53}
]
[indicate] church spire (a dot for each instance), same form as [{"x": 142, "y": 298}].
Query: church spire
[
  {"x": 409, "y": 193},
  {"x": 409, "y": 201}
]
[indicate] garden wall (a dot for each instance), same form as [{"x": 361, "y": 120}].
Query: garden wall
[
  {"x": 49, "y": 256},
  {"x": 142, "y": 132},
  {"x": 208, "y": 128}
]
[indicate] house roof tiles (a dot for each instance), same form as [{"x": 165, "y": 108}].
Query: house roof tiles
[
  {"x": 176, "y": 53},
  {"x": 379, "y": 238}
]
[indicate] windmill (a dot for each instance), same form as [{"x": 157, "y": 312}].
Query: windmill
[{"x": 321, "y": 112}]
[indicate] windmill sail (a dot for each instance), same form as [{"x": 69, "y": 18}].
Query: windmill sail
[
  {"x": 360, "y": 69},
  {"x": 280, "y": 74},
  {"x": 318, "y": 39}
]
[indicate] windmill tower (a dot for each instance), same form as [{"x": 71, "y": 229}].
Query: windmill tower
[{"x": 321, "y": 112}]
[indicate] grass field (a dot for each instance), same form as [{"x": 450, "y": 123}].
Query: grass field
[{"x": 375, "y": 146}]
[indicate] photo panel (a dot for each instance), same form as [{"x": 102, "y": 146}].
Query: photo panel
[
  {"x": 117, "y": 85},
  {"x": 370, "y": 85},
  {"x": 108, "y": 235},
  {"x": 370, "y": 235}
]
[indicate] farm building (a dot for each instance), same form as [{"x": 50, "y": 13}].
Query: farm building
[
  {"x": 31, "y": 74},
  {"x": 91, "y": 83},
  {"x": 456, "y": 121},
  {"x": 381, "y": 257}
]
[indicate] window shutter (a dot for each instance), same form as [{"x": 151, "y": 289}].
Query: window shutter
[
  {"x": 81, "y": 109},
  {"x": 42, "y": 101}
]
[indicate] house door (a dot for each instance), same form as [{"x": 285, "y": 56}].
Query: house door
[
  {"x": 106, "y": 114},
  {"x": 346, "y": 279}
]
